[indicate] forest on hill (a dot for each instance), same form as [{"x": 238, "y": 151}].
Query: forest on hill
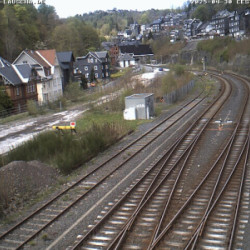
[{"x": 24, "y": 26}]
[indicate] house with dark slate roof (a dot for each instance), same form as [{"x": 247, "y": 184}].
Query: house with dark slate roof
[
  {"x": 157, "y": 25},
  {"x": 49, "y": 86},
  {"x": 96, "y": 62},
  {"x": 220, "y": 22},
  {"x": 66, "y": 61},
  {"x": 20, "y": 82},
  {"x": 142, "y": 53},
  {"x": 126, "y": 60}
]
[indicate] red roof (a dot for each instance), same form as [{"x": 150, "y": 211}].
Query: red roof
[
  {"x": 37, "y": 57},
  {"x": 49, "y": 55}
]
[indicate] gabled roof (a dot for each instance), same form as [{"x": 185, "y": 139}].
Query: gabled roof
[
  {"x": 24, "y": 71},
  {"x": 137, "y": 50},
  {"x": 221, "y": 14},
  {"x": 7, "y": 71},
  {"x": 49, "y": 55},
  {"x": 65, "y": 56},
  {"x": 100, "y": 54},
  {"x": 37, "y": 58},
  {"x": 157, "y": 21},
  {"x": 125, "y": 57},
  {"x": 3, "y": 62}
]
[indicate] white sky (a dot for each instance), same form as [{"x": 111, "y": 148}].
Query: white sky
[{"x": 66, "y": 8}]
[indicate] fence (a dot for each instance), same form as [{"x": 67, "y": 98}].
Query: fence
[
  {"x": 13, "y": 111},
  {"x": 178, "y": 94},
  {"x": 24, "y": 108}
]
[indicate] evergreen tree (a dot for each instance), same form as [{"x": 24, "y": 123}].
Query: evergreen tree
[
  {"x": 84, "y": 82},
  {"x": 5, "y": 101},
  {"x": 92, "y": 75}
]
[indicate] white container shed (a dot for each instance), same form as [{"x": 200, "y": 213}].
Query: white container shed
[{"x": 139, "y": 106}]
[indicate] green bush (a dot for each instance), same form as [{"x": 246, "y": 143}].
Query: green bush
[
  {"x": 69, "y": 151},
  {"x": 179, "y": 69},
  {"x": 224, "y": 49},
  {"x": 73, "y": 91},
  {"x": 32, "y": 107}
]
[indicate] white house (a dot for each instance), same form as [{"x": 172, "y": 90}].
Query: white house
[
  {"x": 126, "y": 60},
  {"x": 49, "y": 87}
]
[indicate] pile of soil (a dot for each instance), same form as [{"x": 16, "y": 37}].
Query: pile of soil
[{"x": 20, "y": 181}]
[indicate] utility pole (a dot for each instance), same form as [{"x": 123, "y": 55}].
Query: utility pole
[{"x": 204, "y": 62}]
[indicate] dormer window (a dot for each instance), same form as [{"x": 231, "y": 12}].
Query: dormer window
[
  {"x": 90, "y": 60},
  {"x": 24, "y": 62}
]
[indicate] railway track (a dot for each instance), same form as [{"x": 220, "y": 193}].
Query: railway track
[
  {"x": 162, "y": 209},
  {"x": 160, "y": 212},
  {"x": 27, "y": 229}
]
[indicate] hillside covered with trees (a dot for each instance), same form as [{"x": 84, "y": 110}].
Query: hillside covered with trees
[{"x": 24, "y": 26}]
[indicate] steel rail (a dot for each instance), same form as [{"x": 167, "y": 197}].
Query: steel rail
[
  {"x": 199, "y": 227},
  {"x": 191, "y": 196},
  {"x": 239, "y": 198},
  {"x": 198, "y": 232},
  {"x": 91, "y": 172},
  {"x": 167, "y": 154},
  {"x": 121, "y": 235},
  {"x": 187, "y": 152},
  {"x": 134, "y": 214},
  {"x": 156, "y": 230}
]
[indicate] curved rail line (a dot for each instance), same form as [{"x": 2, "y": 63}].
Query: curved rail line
[
  {"x": 116, "y": 229},
  {"x": 99, "y": 234},
  {"x": 174, "y": 233},
  {"x": 21, "y": 233}
]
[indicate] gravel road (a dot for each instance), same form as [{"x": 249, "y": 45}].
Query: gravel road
[{"x": 15, "y": 133}]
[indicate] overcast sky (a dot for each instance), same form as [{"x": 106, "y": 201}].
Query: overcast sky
[{"x": 66, "y": 8}]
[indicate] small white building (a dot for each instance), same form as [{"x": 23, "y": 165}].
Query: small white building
[
  {"x": 126, "y": 60},
  {"x": 49, "y": 87},
  {"x": 139, "y": 106}
]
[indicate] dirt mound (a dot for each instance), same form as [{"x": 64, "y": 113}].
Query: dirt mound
[{"x": 20, "y": 180}]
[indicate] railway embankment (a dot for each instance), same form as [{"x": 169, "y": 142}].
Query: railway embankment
[{"x": 221, "y": 53}]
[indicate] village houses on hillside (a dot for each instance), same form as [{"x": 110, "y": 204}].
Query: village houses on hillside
[{"x": 41, "y": 75}]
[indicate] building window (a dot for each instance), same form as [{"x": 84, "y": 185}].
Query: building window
[
  {"x": 87, "y": 75},
  {"x": 24, "y": 62},
  {"x": 86, "y": 68},
  {"x": 17, "y": 91},
  {"x": 106, "y": 66},
  {"x": 95, "y": 67},
  {"x": 96, "y": 75},
  {"x": 90, "y": 60}
]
